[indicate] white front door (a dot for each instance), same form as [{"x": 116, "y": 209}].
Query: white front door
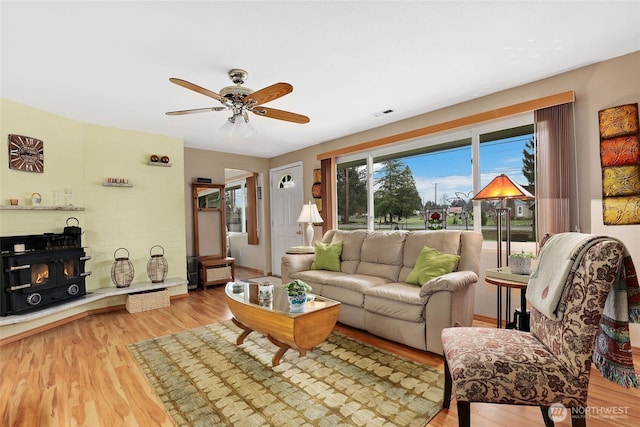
[{"x": 286, "y": 203}]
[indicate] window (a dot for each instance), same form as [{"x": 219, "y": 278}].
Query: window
[
  {"x": 509, "y": 151},
  {"x": 352, "y": 195},
  {"x": 236, "y": 209},
  {"x": 429, "y": 183},
  {"x": 286, "y": 181},
  {"x": 414, "y": 189}
]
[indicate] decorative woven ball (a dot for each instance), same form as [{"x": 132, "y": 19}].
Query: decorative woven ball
[
  {"x": 157, "y": 266},
  {"x": 122, "y": 270}
]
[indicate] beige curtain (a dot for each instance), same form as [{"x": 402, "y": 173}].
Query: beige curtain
[
  {"x": 553, "y": 133},
  {"x": 328, "y": 174}
]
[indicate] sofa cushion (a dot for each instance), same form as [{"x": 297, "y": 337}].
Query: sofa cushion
[
  {"x": 327, "y": 256},
  {"x": 381, "y": 254},
  {"x": 431, "y": 264},
  {"x": 351, "y": 248},
  {"x": 396, "y": 300},
  {"x": 350, "y": 288},
  {"x": 445, "y": 241},
  {"x": 316, "y": 276},
  {"x": 523, "y": 371}
]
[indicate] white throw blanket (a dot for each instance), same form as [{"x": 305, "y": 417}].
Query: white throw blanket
[{"x": 558, "y": 257}]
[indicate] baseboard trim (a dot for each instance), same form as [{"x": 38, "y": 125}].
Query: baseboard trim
[{"x": 253, "y": 270}]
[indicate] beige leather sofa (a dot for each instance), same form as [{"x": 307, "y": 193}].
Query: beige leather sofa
[{"x": 371, "y": 284}]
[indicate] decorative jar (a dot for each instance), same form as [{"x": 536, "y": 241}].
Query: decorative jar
[
  {"x": 36, "y": 199},
  {"x": 265, "y": 291}
]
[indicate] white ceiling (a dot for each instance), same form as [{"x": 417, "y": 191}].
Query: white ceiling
[{"x": 109, "y": 63}]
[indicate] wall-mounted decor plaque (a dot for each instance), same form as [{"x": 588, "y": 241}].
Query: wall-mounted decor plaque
[
  {"x": 620, "y": 161},
  {"x": 26, "y": 153}
]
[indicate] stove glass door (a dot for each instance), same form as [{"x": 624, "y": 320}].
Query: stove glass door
[
  {"x": 41, "y": 274},
  {"x": 71, "y": 268}
]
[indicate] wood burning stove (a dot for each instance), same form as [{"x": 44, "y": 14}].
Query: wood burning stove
[{"x": 39, "y": 271}]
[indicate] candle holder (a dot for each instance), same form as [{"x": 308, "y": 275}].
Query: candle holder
[
  {"x": 122, "y": 270},
  {"x": 157, "y": 267}
]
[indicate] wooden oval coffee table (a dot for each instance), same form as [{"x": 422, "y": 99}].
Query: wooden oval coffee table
[{"x": 299, "y": 331}]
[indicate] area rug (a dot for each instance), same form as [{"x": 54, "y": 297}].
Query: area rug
[{"x": 205, "y": 379}]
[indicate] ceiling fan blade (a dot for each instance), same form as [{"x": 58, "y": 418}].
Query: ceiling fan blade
[
  {"x": 269, "y": 93},
  {"x": 280, "y": 115},
  {"x": 195, "y": 110},
  {"x": 199, "y": 89}
]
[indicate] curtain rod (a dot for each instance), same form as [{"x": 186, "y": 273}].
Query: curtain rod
[{"x": 523, "y": 107}]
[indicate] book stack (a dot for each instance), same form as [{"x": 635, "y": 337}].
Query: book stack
[{"x": 505, "y": 273}]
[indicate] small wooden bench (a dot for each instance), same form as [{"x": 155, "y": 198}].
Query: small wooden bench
[{"x": 215, "y": 270}]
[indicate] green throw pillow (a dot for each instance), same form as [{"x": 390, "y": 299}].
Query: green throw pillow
[
  {"x": 431, "y": 263},
  {"x": 327, "y": 256}
]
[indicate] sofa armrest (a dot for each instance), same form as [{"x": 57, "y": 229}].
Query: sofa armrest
[
  {"x": 450, "y": 303},
  {"x": 448, "y": 282},
  {"x": 293, "y": 263}
]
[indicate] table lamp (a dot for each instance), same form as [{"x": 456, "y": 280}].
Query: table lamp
[{"x": 309, "y": 215}]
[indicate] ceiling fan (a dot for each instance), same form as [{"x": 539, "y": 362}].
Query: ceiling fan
[{"x": 240, "y": 99}]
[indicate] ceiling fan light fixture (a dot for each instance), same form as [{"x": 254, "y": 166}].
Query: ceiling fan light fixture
[
  {"x": 238, "y": 126},
  {"x": 241, "y": 100},
  {"x": 235, "y": 91}
]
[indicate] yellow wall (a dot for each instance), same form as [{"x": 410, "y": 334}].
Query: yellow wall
[
  {"x": 137, "y": 218},
  {"x": 81, "y": 157}
]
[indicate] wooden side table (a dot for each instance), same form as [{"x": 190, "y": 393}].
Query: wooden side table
[
  {"x": 215, "y": 270},
  {"x": 502, "y": 277}
]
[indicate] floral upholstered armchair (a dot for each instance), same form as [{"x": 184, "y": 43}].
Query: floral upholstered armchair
[{"x": 546, "y": 367}]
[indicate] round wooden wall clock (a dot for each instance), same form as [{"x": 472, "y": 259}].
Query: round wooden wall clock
[{"x": 26, "y": 153}]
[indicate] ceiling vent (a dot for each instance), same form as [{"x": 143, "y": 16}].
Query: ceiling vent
[{"x": 383, "y": 113}]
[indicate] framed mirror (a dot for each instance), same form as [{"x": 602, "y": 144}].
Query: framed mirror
[{"x": 209, "y": 234}]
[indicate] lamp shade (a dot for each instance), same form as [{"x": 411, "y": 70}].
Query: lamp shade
[
  {"x": 238, "y": 126},
  {"x": 502, "y": 187},
  {"x": 310, "y": 213}
]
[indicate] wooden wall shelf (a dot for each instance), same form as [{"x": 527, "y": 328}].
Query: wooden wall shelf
[
  {"x": 115, "y": 184},
  {"x": 40, "y": 208}
]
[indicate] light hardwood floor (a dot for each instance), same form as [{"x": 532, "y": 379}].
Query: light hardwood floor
[{"x": 82, "y": 374}]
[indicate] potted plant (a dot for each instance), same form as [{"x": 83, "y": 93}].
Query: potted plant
[
  {"x": 520, "y": 263},
  {"x": 297, "y": 291}
]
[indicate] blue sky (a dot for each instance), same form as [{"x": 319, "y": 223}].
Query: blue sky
[{"x": 451, "y": 170}]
